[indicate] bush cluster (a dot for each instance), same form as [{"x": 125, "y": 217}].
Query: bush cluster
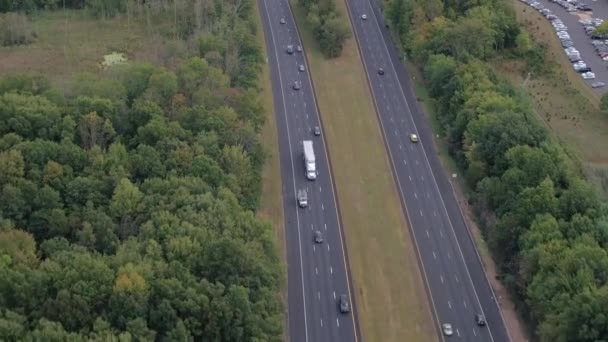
[
  {"x": 16, "y": 29},
  {"x": 328, "y": 26}
]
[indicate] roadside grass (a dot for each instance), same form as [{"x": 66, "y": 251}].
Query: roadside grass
[
  {"x": 271, "y": 208},
  {"x": 562, "y": 100},
  {"x": 392, "y": 304},
  {"x": 70, "y": 42}
]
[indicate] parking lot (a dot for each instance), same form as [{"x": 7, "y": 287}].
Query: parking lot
[{"x": 570, "y": 27}]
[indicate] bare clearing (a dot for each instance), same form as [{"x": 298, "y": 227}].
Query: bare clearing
[{"x": 70, "y": 42}]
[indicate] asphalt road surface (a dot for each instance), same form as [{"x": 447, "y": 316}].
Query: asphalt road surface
[
  {"x": 317, "y": 273},
  {"x": 451, "y": 266}
]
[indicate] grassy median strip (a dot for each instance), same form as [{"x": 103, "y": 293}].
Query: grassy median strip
[
  {"x": 272, "y": 204},
  {"x": 391, "y": 301}
]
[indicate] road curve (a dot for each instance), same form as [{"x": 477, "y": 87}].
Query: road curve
[
  {"x": 449, "y": 260},
  {"x": 317, "y": 273}
]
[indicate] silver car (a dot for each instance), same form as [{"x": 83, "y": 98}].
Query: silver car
[{"x": 447, "y": 329}]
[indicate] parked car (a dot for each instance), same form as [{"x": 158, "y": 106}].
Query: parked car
[
  {"x": 579, "y": 65},
  {"x": 598, "y": 84},
  {"x": 584, "y": 8},
  {"x": 589, "y": 75}
]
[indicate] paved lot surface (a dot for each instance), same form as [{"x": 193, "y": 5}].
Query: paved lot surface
[{"x": 582, "y": 42}]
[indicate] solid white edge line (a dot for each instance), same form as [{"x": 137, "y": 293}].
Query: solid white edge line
[
  {"x": 441, "y": 197},
  {"x": 292, "y": 170}
]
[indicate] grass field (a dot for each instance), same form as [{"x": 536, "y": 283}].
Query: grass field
[
  {"x": 563, "y": 101},
  {"x": 391, "y": 301},
  {"x": 70, "y": 42}
]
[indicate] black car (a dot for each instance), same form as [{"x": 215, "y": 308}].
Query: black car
[
  {"x": 380, "y": 71},
  {"x": 583, "y": 70},
  {"x": 584, "y": 8},
  {"x": 481, "y": 321},
  {"x": 344, "y": 305}
]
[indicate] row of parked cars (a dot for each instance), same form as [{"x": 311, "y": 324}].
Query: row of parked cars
[
  {"x": 599, "y": 42},
  {"x": 561, "y": 30},
  {"x": 573, "y": 5}
]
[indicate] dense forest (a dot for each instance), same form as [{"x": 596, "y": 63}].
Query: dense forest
[
  {"x": 545, "y": 224},
  {"x": 127, "y": 201}
]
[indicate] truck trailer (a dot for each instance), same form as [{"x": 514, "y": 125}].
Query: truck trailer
[{"x": 309, "y": 160}]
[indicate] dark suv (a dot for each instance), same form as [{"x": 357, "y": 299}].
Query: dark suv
[
  {"x": 344, "y": 306},
  {"x": 481, "y": 321}
]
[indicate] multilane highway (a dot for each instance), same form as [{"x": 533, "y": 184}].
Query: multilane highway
[
  {"x": 451, "y": 266},
  {"x": 317, "y": 272}
]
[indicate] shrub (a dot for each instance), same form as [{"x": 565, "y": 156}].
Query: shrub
[{"x": 16, "y": 29}]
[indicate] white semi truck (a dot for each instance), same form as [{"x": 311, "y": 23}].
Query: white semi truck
[{"x": 309, "y": 160}]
